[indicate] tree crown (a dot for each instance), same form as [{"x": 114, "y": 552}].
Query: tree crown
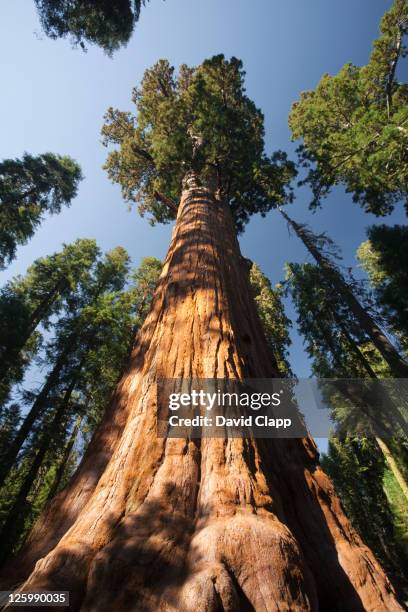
[
  {"x": 30, "y": 187},
  {"x": 201, "y": 120},
  {"x": 354, "y": 125},
  {"x": 106, "y": 23}
]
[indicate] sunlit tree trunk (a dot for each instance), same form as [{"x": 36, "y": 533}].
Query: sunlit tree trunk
[{"x": 216, "y": 524}]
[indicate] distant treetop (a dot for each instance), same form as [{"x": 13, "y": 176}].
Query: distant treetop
[
  {"x": 106, "y": 23},
  {"x": 200, "y": 119},
  {"x": 354, "y": 125}
]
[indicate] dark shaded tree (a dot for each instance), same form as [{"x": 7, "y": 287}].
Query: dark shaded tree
[
  {"x": 76, "y": 332},
  {"x": 338, "y": 348},
  {"x": 384, "y": 257},
  {"x": 106, "y": 23},
  {"x": 10, "y": 417}
]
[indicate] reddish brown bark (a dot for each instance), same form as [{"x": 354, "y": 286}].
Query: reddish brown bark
[{"x": 213, "y": 525}]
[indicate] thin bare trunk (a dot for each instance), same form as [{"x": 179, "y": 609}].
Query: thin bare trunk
[
  {"x": 221, "y": 524},
  {"x": 397, "y": 365},
  {"x": 65, "y": 458}
]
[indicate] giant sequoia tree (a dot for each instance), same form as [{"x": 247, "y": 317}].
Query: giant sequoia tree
[{"x": 152, "y": 523}]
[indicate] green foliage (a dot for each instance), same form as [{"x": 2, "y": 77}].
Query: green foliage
[
  {"x": 358, "y": 469},
  {"x": 30, "y": 187},
  {"x": 106, "y": 23},
  {"x": 398, "y": 505},
  {"x": 14, "y": 323},
  {"x": 354, "y": 125},
  {"x": 326, "y": 324},
  {"x": 276, "y": 324},
  {"x": 10, "y": 417},
  {"x": 385, "y": 259},
  {"x": 196, "y": 120},
  {"x": 118, "y": 316},
  {"x": 144, "y": 281},
  {"x": 32, "y": 300}
]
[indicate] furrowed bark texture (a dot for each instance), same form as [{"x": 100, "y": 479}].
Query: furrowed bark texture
[{"x": 216, "y": 524}]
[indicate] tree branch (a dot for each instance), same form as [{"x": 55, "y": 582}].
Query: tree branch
[
  {"x": 160, "y": 197},
  {"x": 143, "y": 153}
]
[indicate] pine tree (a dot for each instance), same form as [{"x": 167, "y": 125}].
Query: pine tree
[
  {"x": 144, "y": 282},
  {"x": 384, "y": 257},
  {"x": 106, "y": 23},
  {"x": 271, "y": 311},
  {"x": 31, "y": 301},
  {"x": 75, "y": 334},
  {"x": 162, "y": 523},
  {"x": 30, "y": 187},
  {"x": 14, "y": 322},
  {"x": 354, "y": 125},
  {"x": 315, "y": 245}
]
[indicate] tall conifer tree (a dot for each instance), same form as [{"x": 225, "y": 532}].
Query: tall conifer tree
[
  {"x": 316, "y": 245},
  {"x": 29, "y": 302},
  {"x": 384, "y": 257},
  {"x": 30, "y": 187}
]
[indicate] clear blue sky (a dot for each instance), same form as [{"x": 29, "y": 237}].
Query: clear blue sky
[{"x": 53, "y": 99}]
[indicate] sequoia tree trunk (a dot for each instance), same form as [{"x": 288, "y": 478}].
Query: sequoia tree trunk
[{"x": 216, "y": 524}]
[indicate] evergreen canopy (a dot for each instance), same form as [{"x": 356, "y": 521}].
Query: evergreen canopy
[
  {"x": 354, "y": 125},
  {"x": 201, "y": 120},
  {"x": 30, "y": 187},
  {"x": 271, "y": 310},
  {"x": 107, "y": 23},
  {"x": 384, "y": 256}
]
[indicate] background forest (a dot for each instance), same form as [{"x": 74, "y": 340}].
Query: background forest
[{"x": 78, "y": 270}]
